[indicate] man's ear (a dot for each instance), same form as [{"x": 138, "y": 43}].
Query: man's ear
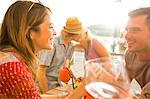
[{"x": 62, "y": 33}]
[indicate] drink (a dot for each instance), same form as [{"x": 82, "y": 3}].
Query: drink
[
  {"x": 112, "y": 82},
  {"x": 79, "y": 61}
]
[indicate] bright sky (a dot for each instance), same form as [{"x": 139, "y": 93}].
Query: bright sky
[{"x": 89, "y": 11}]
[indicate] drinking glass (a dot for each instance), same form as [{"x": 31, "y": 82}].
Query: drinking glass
[{"x": 112, "y": 82}]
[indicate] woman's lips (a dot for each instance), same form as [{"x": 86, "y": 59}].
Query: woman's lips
[{"x": 51, "y": 40}]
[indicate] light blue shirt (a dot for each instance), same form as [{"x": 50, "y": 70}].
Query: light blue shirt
[{"x": 54, "y": 59}]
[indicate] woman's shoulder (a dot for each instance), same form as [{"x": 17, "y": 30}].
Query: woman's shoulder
[
  {"x": 3, "y": 55},
  {"x": 96, "y": 42},
  {"x": 12, "y": 66},
  {"x": 7, "y": 57}
]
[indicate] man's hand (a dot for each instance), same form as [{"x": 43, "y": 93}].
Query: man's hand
[{"x": 41, "y": 76}]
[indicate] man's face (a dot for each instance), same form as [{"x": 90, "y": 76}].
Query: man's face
[
  {"x": 67, "y": 37},
  {"x": 138, "y": 35}
]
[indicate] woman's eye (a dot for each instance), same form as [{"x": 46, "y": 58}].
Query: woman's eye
[{"x": 50, "y": 28}]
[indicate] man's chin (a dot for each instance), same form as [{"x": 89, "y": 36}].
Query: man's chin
[{"x": 131, "y": 50}]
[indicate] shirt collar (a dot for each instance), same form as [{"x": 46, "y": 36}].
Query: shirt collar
[{"x": 61, "y": 41}]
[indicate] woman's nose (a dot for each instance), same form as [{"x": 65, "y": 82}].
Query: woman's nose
[{"x": 54, "y": 33}]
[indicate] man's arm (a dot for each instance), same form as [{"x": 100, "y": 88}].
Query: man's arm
[
  {"x": 45, "y": 57},
  {"x": 41, "y": 76}
]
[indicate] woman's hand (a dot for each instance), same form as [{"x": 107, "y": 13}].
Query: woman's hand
[{"x": 93, "y": 73}]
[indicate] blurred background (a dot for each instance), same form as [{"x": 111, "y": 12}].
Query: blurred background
[{"x": 104, "y": 18}]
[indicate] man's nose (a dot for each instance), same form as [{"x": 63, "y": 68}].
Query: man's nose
[{"x": 127, "y": 35}]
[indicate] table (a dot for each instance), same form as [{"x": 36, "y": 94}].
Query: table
[{"x": 58, "y": 92}]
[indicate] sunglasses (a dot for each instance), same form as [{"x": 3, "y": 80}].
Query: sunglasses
[
  {"x": 71, "y": 35},
  {"x": 29, "y": 9},
  {"x": 36, "y": 1}
]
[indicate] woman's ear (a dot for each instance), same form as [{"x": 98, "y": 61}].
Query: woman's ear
[{"x": 32, "y": 34}]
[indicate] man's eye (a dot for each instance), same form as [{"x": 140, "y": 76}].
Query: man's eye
[
  {"x": 147, "y": 95},
  {"x": 133, "y": 30}
]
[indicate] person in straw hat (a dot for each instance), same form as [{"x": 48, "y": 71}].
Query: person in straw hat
[{"x": 93, "y": 48}]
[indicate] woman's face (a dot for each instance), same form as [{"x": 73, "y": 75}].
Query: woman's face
[{"x": 43, "y": 39}]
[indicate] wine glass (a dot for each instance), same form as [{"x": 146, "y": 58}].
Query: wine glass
[{"x": 112, "y": 81}]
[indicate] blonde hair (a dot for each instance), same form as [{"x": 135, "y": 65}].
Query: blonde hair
[
  {"x": 88, "y": 36},
  {"x": 20, "y": 18}
]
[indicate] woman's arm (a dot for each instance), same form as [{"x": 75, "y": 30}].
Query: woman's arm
[
  {"x": 93, "y": 74},
  {"x": 100, "y": 48},
  {"x": 78, "y": 93},
  {"x": 44, "y": 96}
]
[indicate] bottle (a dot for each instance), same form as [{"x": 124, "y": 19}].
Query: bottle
[{"x": 79, "y": 62}]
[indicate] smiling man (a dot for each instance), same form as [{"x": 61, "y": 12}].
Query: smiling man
[{"x": 138, "y": 38}]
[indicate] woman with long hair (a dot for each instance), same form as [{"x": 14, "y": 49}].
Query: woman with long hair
[{"x": 25, "y": 30}]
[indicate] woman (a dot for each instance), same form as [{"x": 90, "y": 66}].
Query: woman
[
  {"x": 93, "y": 47},
  {"x": 26, "y": 29}
]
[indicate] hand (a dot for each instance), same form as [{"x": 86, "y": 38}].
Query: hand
[
  {"x": 64, "y": 74},
  {"x": 80, "y": 79},
  {"x": 93, "y": 73}
]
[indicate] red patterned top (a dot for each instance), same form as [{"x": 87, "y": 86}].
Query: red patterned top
[{"x": 16, "y": 81}]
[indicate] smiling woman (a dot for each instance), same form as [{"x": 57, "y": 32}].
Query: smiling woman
[{"x": 22, "y": 36}]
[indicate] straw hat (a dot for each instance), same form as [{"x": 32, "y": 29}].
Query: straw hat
[{"x": 74, "y": 26}]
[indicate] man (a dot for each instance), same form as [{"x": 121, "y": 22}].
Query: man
[
  {"x": 51, "y": 61},
  {"x": 138, "y": 38}
]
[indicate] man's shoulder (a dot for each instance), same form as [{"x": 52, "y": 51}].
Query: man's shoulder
[{"x": 58, "y": 40}]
